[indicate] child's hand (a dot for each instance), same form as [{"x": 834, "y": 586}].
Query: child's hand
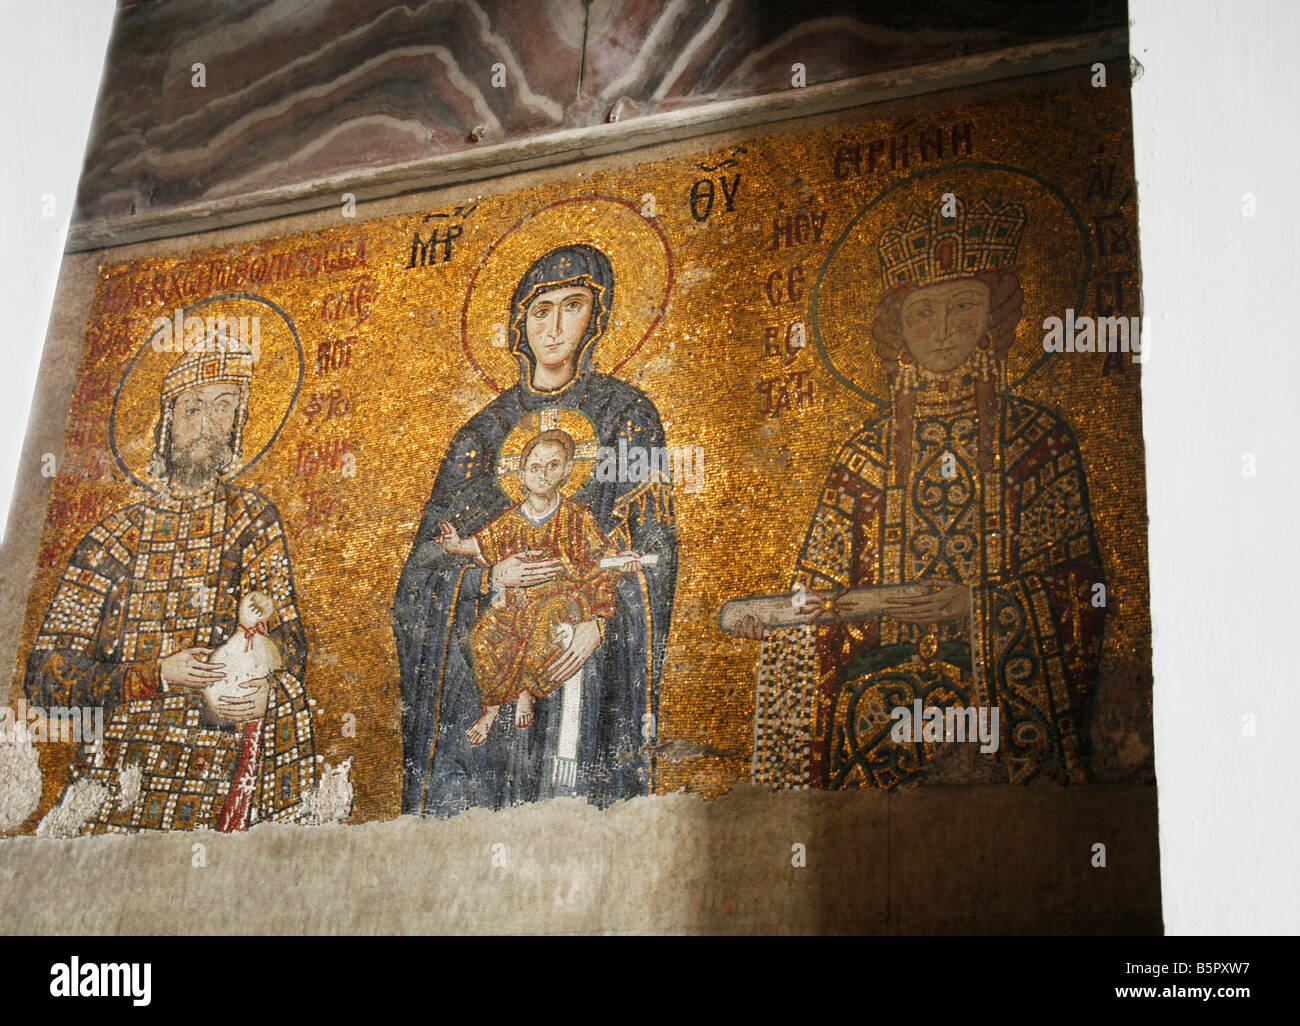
[{"x": 633, "y": 564}]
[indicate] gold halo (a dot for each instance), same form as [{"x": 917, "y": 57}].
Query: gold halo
[
  {"x": 1054, "y": 260},
  {"x": 277, "y": 376},
  {"x": 580, "y": 429},
  {"x": 637, "y": 249}
]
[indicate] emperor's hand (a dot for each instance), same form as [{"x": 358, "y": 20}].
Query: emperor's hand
[
  {"x": 249, "y": 704},
  {"x": 189, "y": 668}
]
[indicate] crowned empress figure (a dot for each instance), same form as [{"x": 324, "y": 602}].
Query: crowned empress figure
[{"x": 968, "y": 489}]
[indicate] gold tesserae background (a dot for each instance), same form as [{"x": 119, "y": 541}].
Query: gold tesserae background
[{"x": 398, "y": 341}]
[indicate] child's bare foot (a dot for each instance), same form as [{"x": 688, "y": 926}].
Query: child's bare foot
[
  {"x": 480, "y": 728},
  {"x": 524, "y": 709}
]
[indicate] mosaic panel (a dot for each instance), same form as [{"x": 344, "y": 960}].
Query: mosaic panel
[{"x": 813, "y": 461}]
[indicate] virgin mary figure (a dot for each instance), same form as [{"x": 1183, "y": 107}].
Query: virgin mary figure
[
  {"x": 968, "y": 494},
  {"x": 589, "y": 739}
]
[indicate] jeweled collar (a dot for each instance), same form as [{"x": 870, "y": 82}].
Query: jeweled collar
[
  {"x": 185, "y": 503},
  {"x": 934, "y": 388}
]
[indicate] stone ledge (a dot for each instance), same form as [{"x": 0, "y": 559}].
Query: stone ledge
[{"x": 927, "y": 861}]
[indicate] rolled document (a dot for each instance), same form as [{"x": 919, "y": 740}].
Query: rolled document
[
  {"x": 784, "y": 611},
  {"x": 617, "y": 562}
]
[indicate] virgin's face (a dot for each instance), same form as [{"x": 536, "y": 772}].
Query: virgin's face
[
  {"x": 942, "y": 324},
  {"x": 555, "y": 322}
]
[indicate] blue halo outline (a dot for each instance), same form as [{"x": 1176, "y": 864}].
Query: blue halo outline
[{"x": 293, "y": 399}]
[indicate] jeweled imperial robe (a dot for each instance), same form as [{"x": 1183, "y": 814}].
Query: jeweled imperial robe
[
  {"x": 514, "y": 642},
  {"x": 1020, "y": 536},
  {"x": 151, "y": 579}
]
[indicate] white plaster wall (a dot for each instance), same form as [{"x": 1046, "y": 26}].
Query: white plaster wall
[
  {"x": 51, "y": 55},
  {"x": 1215, "y": 116}
]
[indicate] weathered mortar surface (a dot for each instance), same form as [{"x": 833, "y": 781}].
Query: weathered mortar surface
[{"x": 983, "y": 859}]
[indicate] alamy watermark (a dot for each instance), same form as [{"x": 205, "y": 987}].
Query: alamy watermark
[
  {"x": 683, "y": 465},
  {"x": 82, "y": 723},
  {"x": 954, "y": 723},
  {"x": 1093, "y": 335},
  {"x": 77, "y": 979},
  {"x": 181, "y": 334}
]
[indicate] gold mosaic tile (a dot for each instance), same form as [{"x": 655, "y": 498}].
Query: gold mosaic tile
[{"x": 750, "y": 400}]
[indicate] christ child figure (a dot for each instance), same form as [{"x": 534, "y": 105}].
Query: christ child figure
[{"x": 521, "y": 634}]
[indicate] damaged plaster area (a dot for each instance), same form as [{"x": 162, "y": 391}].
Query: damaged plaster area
[
  {"x": 974, "y": 859},
  {"x": 330, "y": 801}
]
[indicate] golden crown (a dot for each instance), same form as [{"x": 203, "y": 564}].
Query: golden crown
[
  {"x": 951, "y": 242},
  {"x": 220, "y": 358}
]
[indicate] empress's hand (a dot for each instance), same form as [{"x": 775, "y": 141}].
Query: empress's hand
[
  {"x": 586, "y": 636},
  {"x": 749, "y": 626},
  {"x": 524, "y": 569},
  {"x": 189, "y": 668},
  {"x": 948, "y": 600},
  {"x": 250, "y": 704}
]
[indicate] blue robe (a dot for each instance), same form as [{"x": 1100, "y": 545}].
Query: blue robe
[{"x": 440, "y": 596}]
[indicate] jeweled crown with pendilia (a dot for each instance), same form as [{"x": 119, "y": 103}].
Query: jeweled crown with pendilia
[
  {"x": 221, "y": 358},
  {"x": 937, "y": 247}
]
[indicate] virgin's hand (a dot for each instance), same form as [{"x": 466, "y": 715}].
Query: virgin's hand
[
  {"x": 524, "y": 569},
  {"x": 949, "y": 600},
  {"x": 189, "y": 668},
  {"x": 586, "y": 636}
]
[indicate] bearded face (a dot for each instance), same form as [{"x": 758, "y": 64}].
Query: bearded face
[
  {"x": 201, "y": 445},
  {"x": 202, "y": 461}
]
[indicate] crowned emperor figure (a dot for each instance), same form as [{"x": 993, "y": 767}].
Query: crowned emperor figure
[
  {"x": 148, "y": 594},
  {"x": 969, "y": 490}
]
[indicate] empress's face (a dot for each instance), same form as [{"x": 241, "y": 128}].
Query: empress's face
[
  {"x": 942, "y": 324},
  {"x": 555, "y": 322},
  {"x": 544, "y": 470},
  {"x": 204, "y": 417}
]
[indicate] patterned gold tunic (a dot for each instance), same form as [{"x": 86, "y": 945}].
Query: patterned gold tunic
[
  {"x": 153, "y": 578},
  {"x": 513, "y": 642}
]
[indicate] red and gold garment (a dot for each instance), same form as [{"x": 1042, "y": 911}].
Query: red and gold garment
[
  {"x": 1019, "y": 535},
  {"x": 153, "y": 578},
  {"x": 513, "y": 642}
]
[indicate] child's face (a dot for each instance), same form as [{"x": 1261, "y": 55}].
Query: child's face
[{"x": 544, "y": 470}]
